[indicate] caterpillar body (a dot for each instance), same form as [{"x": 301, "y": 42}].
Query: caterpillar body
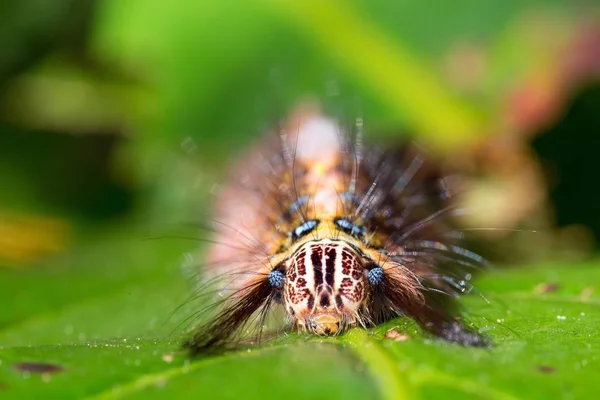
[{"x": 337, "y": 234}]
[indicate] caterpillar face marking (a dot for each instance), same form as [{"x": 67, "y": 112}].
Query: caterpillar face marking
[
  {"x": 325, "y": 286},
  {"x": 338, "y": 235}
]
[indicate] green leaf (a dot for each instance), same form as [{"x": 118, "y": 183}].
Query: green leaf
[{"x": 108, "y": 329}]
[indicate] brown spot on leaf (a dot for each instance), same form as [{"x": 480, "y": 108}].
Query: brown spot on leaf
[
  {"x": 586, "y": 293},
  {"x": 546, "y": 369},
  {"x": 395, "y": 335},
  {"x": 546, "y": 287},
  {"x": 38, "y": 368}
]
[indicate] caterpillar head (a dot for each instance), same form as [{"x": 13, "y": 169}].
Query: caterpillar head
[{"x": 326, "y": 285}]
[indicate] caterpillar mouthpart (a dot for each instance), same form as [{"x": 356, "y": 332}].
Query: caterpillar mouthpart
[{"x": 323, "y": 324}]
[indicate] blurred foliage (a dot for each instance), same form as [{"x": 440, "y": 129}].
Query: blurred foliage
[
  {"x": 569, "y": 152},
  {"x": 118, "y": 116}
]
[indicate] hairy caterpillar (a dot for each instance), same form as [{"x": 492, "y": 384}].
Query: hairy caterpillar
[{"x": 338, "y": 234}]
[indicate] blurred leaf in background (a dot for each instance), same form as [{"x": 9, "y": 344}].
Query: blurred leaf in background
[{"x": 118, "y": 116}]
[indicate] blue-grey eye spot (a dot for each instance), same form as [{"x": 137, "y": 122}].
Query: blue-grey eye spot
[
  {"x": 375, "y": 276},
  {"x": 350, "y": 227},
  {"x": 344, "y": 224},
  {"x": 276, "y": 278},
  {"x": 304, "y": 229}
]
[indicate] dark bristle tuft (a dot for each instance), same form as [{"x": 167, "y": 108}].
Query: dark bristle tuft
[{"x": 216, "y": 335}]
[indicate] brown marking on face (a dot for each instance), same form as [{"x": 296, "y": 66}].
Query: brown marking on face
[
  {"x": 358, "y": 291},
  {"x": 299, "y": 262},
  {"x": 357, "y": 270},
  {"x": 292, "y": 275},
  {"x": 347, "y": 261}
]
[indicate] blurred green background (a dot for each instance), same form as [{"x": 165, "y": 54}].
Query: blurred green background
[{"x": 117, "y": 117}]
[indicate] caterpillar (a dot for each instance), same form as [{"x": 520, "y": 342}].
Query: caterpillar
[{"x": 336, "y": 234}]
